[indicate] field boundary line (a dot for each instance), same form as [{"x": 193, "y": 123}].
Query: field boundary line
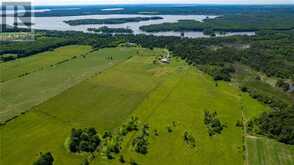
[
  {"x": 51, "y": 65},
  {"x": 246, "y": 162},
  {"x": 95, "y": 74}
]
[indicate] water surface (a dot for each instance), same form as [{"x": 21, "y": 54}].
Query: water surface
[{"x": 57, "y": 23}]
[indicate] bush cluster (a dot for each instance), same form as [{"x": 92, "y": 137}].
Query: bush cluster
[
  {"x": 84, "y": 140},
  {"x": 189, "y": 139},
  {"x": 112, "y": 143},
  {"x": 213, "y": 124},
  {"x": 44, "y": 159},
  {"x": 141, "y": 143},
  {"x": 283, "y": 85},
  {"x": 112, "y": 146}
]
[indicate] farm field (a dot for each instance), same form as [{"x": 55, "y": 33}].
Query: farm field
[
  {"x": 263, "y": 151},
  {"x": 108, "y": 99},
  {"x": 20, "y": 67},
  {"x": 95, "y": 91},
  {"x": 183, "y": 97},
  {"x": 21, "y": 94}
]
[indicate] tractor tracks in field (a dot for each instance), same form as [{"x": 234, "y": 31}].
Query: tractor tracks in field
[
  {"x": 51, "y": 65},
  {"x": 154, "y": 108},
  {"x": 94, "y": 74}
]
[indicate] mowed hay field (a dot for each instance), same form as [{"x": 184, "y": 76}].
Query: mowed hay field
[
  {"x": 263, "y": 151},
  {"x": 22, "y": 66},
  {"x": 113, "y": 91},
  {"x": 21, "y": 94}
]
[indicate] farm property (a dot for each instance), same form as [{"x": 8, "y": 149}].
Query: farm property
[{"x": 104, "y": 89}]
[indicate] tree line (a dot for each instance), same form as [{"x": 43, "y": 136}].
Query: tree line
[
  {"x": 229, "y": 23},
  {"x": 110, "y": 20}
]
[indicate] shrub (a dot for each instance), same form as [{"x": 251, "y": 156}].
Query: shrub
[
  {"x": 141, "y": 145},
  {"x": 283, "y": 85},
  {"x": 109, "y": 155},
  {"x": 45, "y": 159},
  {"x": 8, "y": 57},
  {"x": 244, "y": 89},
  {"x": 107, "y": 134},
  {"x": 85, "y": 162},
  {"x": 169, "y": 129},
  {"x": 189, "y": 139},
  {"x": 133, "y": 162},
  {"x": 239, "y": 123},
  {"x": 141, "y": 142},
  {"x": 221, "y": 75},
  {"x": 132, "y": 124},
  {"x": 122, "y": 159}
]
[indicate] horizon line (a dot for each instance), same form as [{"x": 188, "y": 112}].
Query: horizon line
[{"x": 236, "y": 4}]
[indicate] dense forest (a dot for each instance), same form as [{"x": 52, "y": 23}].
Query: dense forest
[
  {"x": 9, "y": 28},
  {"x": 230, "y": 23},
  {"x": 109, "y": 20},
  {"x": 105, "y": 29}
]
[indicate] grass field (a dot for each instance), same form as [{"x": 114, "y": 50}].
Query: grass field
[
  {"x": 263, "y": 151},
  {"x": 14, "y": 69},
  {"x": 113, "y": 91},
  {"x": 21, "y": 94}
]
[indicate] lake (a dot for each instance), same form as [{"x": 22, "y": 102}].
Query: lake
[{"x": 56, "y": 23}]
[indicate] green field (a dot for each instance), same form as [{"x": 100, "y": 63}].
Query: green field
[
  {"x": 21, "y": 94},
  {"x": 23, "y": 66},
  {"x": 263, "y": 151},
  {"x": 94, "y": 91}
]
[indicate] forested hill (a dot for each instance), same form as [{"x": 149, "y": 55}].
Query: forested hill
[
  {"x": 109, "y": 20},
  {"x": 230, "y": 23}
]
